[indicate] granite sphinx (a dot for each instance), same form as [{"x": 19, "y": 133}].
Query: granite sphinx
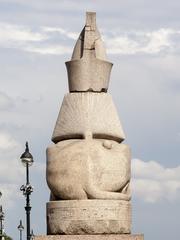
[{"x": 88, "y": 166}]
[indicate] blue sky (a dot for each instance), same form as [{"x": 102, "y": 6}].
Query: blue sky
[{"x": 143, "y": 41}]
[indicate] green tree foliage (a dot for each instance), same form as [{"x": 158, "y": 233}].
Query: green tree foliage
[{"x": 5, "y": 237}]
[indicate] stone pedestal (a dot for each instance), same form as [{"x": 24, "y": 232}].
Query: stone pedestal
[
  {"x": 88, "y": 217},
  {"x": 92, "y": 237}
]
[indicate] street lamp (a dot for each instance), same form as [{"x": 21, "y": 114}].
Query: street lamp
[
  {"x": 20, "y": 228},
  {"x": 1, "y": 223},
  {"x": 27, "y": 161},
  {"x": 32, "y": 235}
]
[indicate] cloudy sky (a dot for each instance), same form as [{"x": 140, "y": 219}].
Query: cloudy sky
[{"x": 142, "y": 38}]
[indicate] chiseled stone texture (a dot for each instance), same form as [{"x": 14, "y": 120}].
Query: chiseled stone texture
[
  {"x": 88, "y": 74},
  {"x": 88, "y": 69},
  {"x": 88, "y": 217},
  {"x": 92, "y": 237},
  {"x": 92, "y": 112},
  {"x": 88, "y": 168}
]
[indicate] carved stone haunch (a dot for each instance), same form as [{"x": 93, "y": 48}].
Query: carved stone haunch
[
  {"x": 89, "y": 168},
  {"x": 88, "y": 217}
]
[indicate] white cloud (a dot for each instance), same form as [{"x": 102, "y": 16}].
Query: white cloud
[
  {"x": 71, "y": 35},
  {"x": 16, "y": 33},
  {"x": 44, "y": 40},
  {"x": 10, "y": 192},
  {"x": 136, "y": 42},
  {"x": 26, "y": 39},
  {"x": 7, "y": 143},
  {"x": 11, "y": 170},
  {"x": 152, "y": 182},
  {"x": 5, "y": 101},
  {"x": 52, "y": 50}
]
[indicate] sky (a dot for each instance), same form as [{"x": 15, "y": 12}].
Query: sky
[{"x": 142, "y": 39}]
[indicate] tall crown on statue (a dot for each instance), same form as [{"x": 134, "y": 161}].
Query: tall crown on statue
[{"x": 89, "y": 69}]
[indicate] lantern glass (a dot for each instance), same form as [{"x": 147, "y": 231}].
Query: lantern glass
[
  {"x": 27, "y": 161},
  {"x": 20, "y": 227}
]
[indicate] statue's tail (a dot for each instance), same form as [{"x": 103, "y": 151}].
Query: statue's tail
[{"x": 94, "y": 193}]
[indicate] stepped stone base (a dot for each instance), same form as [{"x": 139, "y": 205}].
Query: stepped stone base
[
  {"x": 92, "y": 237},
  {"x": 74, "y": 217}
]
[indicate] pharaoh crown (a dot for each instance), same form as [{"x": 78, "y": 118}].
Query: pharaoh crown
[{"x": 89, "y": 69}]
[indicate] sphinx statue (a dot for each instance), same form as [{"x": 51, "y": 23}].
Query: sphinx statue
[{"x": 88, "y": 166}]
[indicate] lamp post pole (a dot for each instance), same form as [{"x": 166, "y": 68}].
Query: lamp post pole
[
  {"x": 27, "y": 160},
  {"x": 20, "y": 228},
  {"x": 28, "y": 206},
  {"x": 1, "y": 223}
]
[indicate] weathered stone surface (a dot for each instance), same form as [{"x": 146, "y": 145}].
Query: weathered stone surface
[
  {"x": 88, "y": 217},
  {"x": 88, "y": 74},
  {"x": 89, "y": 168},
  {"x": 88, "y": 69},
  {"x": 88, "y": 112},
  {"x": 92, "y": 237}
]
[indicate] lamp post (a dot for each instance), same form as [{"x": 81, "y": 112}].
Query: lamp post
[
  {"x": 20, "y": 228},
  {"x": 32, "y": 235},
  {"x": 1, "y": 223},
  {"x": 27, "y": 161}
]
